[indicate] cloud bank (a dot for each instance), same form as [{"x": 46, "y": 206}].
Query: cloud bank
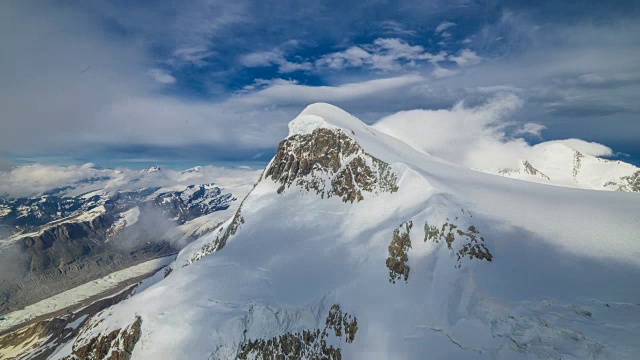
[{"x": 31, "y": 180}]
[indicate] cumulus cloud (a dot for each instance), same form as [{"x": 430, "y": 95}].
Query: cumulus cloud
[{"x": 381, "y": 54}]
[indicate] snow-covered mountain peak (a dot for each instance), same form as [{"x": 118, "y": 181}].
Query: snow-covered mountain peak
[
  {"x": 324, "y": 153},
  {"x": 151, "y": 169},
  {"x": 327, "y": 116},
  {"x": 195, "y": 169}
]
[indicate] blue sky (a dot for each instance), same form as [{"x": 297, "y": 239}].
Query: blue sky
[{"x": 204, "y": 81}]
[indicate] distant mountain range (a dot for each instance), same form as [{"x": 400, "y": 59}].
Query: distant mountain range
[{"x": 69, "y": 235}]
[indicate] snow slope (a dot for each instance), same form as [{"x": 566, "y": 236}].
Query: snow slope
[{"x": 545, "y": 272}]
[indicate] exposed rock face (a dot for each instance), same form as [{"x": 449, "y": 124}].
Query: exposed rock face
[
  {"x": 577, "y": 164},
  {"x": 116, "y": 345},
  {"x": 193, "y": 202},
  {"x": 221, "y": 240},
  {"x": 398, "y": 259},
  {"x": 473, "y": 244},
  {"x": 529, "y": 169},
  {"x": 308, "y": 344},
  {"x": 630, "y": 183},
  {"x": 525, "y": 167},
  {"x": 60, "y": 245},
  {"x": 330, "y": 163},
  {"x": 29, "y": 213}
]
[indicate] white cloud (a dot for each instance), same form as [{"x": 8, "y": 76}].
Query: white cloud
[
  {"x": 195, "y": 55},
  {"x": 116, "y": 103},
  {"x": 259, "y": 84},
  {"x": 465, "y": 57},
  {"x": 443, "y": 26},
  {"x": 531, "y": 129},
  {"x": 291, "y": 93},
  {"x": 162, "y": 76},
  {"x": 261, "y": 58},
  {"x": 396, "y": 28},
  {"x": 473, "y": 137},
  {"x": 440, "y": 72},
  {"x": 30, "y": 180},
  {"x": 382, "y": 54},
  {"x": 585, "y": 147},
  {"x": 274, "y": 57},
  {"x": 354, "y": 56},
  {"x": 476, "y": 137}
]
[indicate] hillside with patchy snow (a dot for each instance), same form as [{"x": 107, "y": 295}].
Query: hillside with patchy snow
[{"x": 356, "y": 245}]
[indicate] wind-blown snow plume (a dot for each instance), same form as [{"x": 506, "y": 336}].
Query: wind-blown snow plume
[{"x": 481, "y": 137}]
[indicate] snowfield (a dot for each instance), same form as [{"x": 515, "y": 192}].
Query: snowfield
[{"x": 545, "y": 272}]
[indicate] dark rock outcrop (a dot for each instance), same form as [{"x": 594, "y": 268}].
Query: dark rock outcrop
[
  {"x": 472, "y": 243},
  {"x": 116, "y": 345},
  {"x": 330, "y": 163},
  {"x": 308, "y": 344},
  {"x": 398, "y": 259}
]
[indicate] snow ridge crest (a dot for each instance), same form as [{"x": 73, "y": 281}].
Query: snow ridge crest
[{"x": 324, "y": 116}]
